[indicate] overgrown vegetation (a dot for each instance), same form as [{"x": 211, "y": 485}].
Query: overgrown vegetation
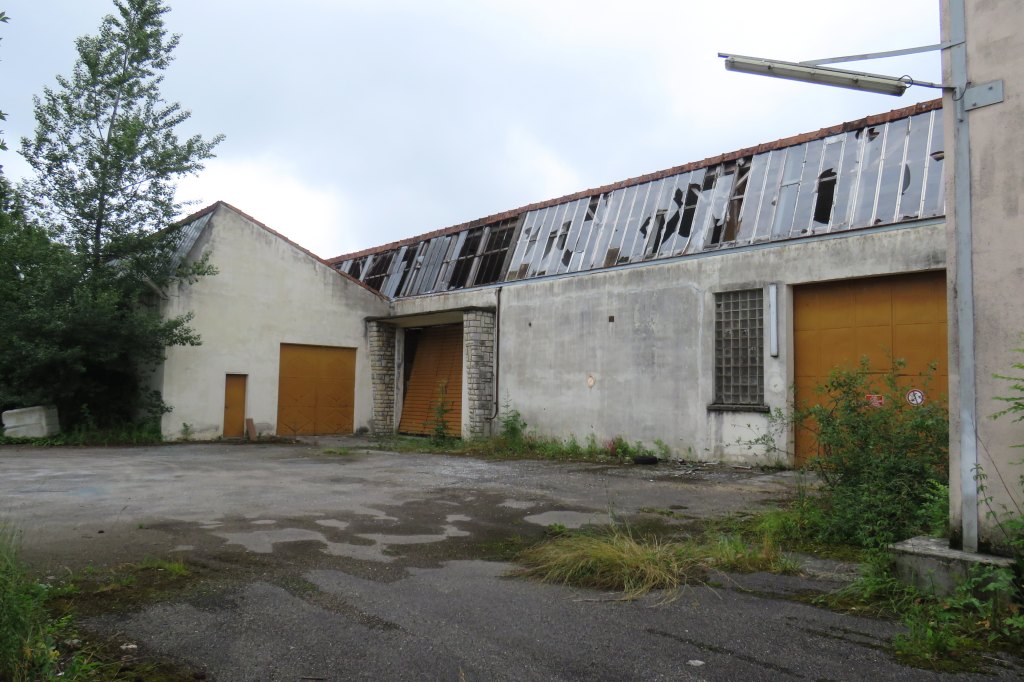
[
  {"x": 86, "y": 244},
  {"x": 882, "y": 464},
  {"x": 33, "y": 643},
  {"x": 942, "y": 632},
  {"x": 1009, "y": 518},
  {"x": 142, "y": 432},
  {"x": 38, "y": 637},
  {"x": 880, "y": 476},
  {"x": 441, "y": 408},
  {"x": 617, "y": 558},
  {"x": 515, "y": 442}
]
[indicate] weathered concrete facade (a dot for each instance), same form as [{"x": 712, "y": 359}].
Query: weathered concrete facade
[
  {"x": 628, "y": 352},
  {"x": 267, "y": 291},
  {"x": 604, "y": 301},
  {"x": 994, "y": 51},
  {"x": 602, "y": 314}
]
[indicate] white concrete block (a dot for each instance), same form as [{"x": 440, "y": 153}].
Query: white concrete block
[{"x": 31, "y": 422}]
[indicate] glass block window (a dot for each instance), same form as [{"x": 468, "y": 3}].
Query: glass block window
[{"x": 739, "y": 347}]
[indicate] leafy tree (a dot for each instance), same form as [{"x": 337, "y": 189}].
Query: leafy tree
[
  {"x": 82, "y": 265},
  {"x": 105, "y": 151},
  {"x": 3, "y": 116}
]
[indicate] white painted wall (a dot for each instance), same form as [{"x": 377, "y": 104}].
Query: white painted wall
[
  {"x": 652, "y": 367},
  {"x": 267, "y": 292}
]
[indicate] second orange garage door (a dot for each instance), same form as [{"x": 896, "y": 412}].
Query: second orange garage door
[
  {"x": 435, "y": 375},
  {"x": 316, "y": 390},
  {"x": 837, "y": 323}
]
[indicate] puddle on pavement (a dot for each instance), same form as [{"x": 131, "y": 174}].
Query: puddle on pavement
[
  {"x": 569, "y": 519},
  {"x": 363, "y": 552},
  {"x": 263, "y": 541},
  {"x": 448, "y": 531},
  {"x": 518, "y": 504},
  {"x": 332, "y": 523},
  {"x": 263, "y": 522}
]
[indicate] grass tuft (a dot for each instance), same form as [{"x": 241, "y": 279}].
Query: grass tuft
[
  {"x": 614, "y": 558},
  {"x": 175, "y": 568},
  {"x": 29, "y": 634}
]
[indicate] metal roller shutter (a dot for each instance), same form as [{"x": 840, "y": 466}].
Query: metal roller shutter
[
  {"x": 837, "y": 323},
  {"x": 436, "y": 371}
]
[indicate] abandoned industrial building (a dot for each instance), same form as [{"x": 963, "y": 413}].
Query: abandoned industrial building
[{"x": 680, "y": 306}]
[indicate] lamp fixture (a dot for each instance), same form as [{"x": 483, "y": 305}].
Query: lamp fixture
[{"x": 823, "y": 75}]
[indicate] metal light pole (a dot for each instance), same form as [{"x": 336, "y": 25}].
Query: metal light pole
[{"x": 965, "y": 99}]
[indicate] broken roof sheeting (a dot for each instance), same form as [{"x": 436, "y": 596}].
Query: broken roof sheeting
[
  {"x": 872, "y": 175},
  {"x": 188, "y": 233}
]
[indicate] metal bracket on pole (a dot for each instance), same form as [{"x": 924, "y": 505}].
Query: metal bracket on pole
[
  {"x": 881, "y": 55},
  {"x": 983, "y": 94}
]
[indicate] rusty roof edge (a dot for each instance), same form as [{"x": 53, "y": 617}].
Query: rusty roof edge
[
  {"x": 214, "y": 206},
  {"x": 865, "y": 122}
]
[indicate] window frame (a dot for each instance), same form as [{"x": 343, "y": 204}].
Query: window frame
[{"x": 739, "y": 328}]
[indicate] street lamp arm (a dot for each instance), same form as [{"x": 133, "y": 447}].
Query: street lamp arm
[{"x": 881, "y": 55}]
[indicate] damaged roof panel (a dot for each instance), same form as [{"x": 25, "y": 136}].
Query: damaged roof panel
[{"x": 888, "y": 170}]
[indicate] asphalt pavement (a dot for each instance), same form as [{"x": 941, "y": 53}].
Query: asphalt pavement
[{"x": 386, "y": 566}]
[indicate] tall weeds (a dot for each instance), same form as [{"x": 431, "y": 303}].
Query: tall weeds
[{"x": 26, "y": 652}]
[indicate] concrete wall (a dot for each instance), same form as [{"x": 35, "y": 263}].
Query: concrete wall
[
  {"x": 451, "y": 301},
  {"x": 40, "y": 421},
  {"x": 995, "y": 50},
  {"x": 629, "y": 352},
  {"x": 267, "y": 292}
]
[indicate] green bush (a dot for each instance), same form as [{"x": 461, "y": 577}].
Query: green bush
[
  {"x": 883, "y": 468},
  {"x": 513, "y": 426},
  {"x": 1009, "y": 518},
  {"x": 942, "y": 632}
]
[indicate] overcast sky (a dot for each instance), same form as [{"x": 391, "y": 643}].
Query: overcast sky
[{"x": 352, "y": 123}]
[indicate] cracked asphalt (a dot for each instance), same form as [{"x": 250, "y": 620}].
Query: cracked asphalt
[{"x": 385, "y": 566}]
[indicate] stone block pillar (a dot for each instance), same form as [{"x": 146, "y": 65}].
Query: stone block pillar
[
  {"x": 382, "y": 373},
  {"x": 479, "y": 345}
]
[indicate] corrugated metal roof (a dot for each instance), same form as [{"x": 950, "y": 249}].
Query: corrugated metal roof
[
  {"x": 888, "y": 170},
  {"x": 188, "y": 233}
]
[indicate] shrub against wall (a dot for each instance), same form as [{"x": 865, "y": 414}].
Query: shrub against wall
[{"x": 882, "y": 462}]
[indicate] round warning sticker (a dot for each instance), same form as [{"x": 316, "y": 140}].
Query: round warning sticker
[{"x": 915, "y": 396}]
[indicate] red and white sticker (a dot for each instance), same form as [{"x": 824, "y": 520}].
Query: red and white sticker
[
  {"x": 875, "y": 400},
  {"x": 915, "y": 397}
]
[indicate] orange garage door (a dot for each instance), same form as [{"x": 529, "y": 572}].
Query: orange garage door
[
  {"x": 316, "y": 392},
  {"x": 837, "y": 323},
  {"x": 436, "y": 375}
]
